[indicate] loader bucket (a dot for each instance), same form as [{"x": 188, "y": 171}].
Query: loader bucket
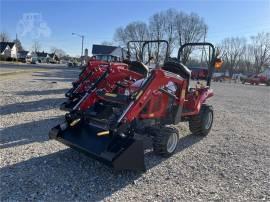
[{"x": 119, "y": 153}]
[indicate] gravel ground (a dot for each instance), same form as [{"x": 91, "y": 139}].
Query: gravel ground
[{"x": 231, "y": 163}]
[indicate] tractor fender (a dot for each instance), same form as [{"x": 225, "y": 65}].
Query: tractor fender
[{"x": 203, "y": 97}]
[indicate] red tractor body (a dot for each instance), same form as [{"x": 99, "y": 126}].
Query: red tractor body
[
  {"x": 104, "y": 122},
  {"x": 199, "y": 73}
]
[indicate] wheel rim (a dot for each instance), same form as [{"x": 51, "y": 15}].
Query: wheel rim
[
  {"x": 208, "y": 121},
  {"x": 172, "y": 142}
]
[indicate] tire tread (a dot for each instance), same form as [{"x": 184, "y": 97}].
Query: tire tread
[
  {"x": 160, "y": 140},
  {"x": 196, "y": 122}
]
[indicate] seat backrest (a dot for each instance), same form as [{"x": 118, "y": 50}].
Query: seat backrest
[
  {"x": 138, "y": 67},
  {"x": 177, "y": 68}
]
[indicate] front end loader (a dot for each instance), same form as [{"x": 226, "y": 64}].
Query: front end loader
[
  {"x": 87, "y": 75},
  {"x": 151, "y": 106},
  {"x": 115, "y": 77},
  {"x": 119, "y": 75}
]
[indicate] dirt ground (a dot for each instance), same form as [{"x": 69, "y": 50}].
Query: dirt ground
[{"x": 231, "y": 163}]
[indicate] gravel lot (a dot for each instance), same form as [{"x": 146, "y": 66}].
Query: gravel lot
[{"x": 231, "y": 163}]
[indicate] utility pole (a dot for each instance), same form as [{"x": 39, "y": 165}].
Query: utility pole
[
  {"x": 82, "y": 50},
  {"x": 82, "y": 37}
]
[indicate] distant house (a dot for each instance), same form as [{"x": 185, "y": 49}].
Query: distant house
[
  {"x": 42, "y": 57},
  {"x": 31, "y": 57},
  {"x": 8, "y": 49},
  {"x": 108, "y": 53},
  {"x": 21, "y": 55}
]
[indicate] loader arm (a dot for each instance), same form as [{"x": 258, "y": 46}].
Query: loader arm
[
  {"x": 108, "y": 82},
  {"x": 157, "y": 80},
  {"x": 91, "y": 67},
  {"x": 88, "y": 75}
]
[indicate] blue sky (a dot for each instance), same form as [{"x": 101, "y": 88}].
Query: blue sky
[{"x": 97, "y": 20}]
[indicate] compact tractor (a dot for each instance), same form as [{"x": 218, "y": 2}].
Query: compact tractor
[
  {"x": 108, "y": 76},
  {"x": 111, "y": 128}
]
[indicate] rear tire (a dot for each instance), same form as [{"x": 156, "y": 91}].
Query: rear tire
[
  {"x": 165, "y": 141},
  {"x": 201, "y": 124}
]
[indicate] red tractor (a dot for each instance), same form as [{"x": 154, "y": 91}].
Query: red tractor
[
  {"x": 114, "y": 76},
  {"x": 151, "y": 106}
]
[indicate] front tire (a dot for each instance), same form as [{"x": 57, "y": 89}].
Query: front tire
[
  {"x": 201, "y": 124},
  {"x": 165, "y": 141}
]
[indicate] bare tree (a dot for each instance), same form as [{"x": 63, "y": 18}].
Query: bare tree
[
  {"x": 157, "y": 27},
  {"x": 36, "y": 46},
  {"x": 261, "y": 50},
  {"x": 120, "y": 36},
  {"x": 4, "y": 37},
  {"x": 133, "y": 31},
  {"x": 170, "y": 25},
  {"x": 247, "y": 63},
  {"x": 233, "y": 50},
  {"x": 189, "y": 28},
  {"x": 58, "y": 51},
  {"x": 170, "y": 31}
]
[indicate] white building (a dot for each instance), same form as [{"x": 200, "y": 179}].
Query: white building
[
  {"x": 108, "y": 53},
  {"x": 41, "y": 57},
  {"x": 8, "y": 49}
]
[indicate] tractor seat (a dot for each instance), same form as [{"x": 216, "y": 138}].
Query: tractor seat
[
  {"x": 138, "y": 67},
  {"x": 177, "y": 68}
]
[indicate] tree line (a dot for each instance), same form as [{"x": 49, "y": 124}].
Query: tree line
[
  {"x": 246, "y": 56},
  {"x": 177, "y": 27}
]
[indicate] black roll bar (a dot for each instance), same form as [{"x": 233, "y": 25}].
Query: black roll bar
[
  {"x": 212, "y": 61},
  {"x": 145, "y": 42}
]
